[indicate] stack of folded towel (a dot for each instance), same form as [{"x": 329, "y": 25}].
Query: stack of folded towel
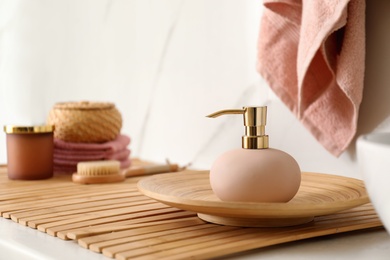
[
  {"x": 67, "y": 154},
  {"x": 87, "y": 131}
]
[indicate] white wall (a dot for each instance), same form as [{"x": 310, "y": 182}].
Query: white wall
[{"x": 166, "y": 64}]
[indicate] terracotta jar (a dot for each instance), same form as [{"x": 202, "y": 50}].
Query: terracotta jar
[{"x": 30, "y": 152}]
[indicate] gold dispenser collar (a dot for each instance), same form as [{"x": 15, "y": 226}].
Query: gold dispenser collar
[{"x": 255, "y": 119}]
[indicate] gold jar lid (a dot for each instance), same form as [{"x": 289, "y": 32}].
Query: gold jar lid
[{"x": 11, "y": 129}]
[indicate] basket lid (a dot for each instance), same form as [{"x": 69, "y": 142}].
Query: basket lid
[{"x": 84, "y": 105}]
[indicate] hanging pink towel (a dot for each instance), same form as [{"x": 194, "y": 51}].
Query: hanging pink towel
[{"x": 312, "y": 55}]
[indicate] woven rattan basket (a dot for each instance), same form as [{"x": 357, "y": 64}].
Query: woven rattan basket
[{"x": 85, "y": 122}]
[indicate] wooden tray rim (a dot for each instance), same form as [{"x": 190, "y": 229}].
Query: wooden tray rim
[{"x": 256, "y": 210}]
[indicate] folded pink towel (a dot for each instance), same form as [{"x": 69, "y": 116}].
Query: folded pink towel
[
  {"x": 124, "y": 162},
  {"x": 312, "y": 55},
  {"x": 90, "y": 156},
  {"x": 120, "y": 143},
  {"x": 67, "y": 155}
]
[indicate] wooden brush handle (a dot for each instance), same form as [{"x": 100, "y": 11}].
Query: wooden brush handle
[{"x": 150, "y": 169}]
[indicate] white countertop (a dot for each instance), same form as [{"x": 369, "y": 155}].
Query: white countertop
[{"x": 20, "y": 242}]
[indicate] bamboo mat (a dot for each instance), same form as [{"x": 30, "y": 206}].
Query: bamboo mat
[{"x": 119, "y": 222}]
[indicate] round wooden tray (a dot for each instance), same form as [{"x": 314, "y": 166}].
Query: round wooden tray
[{"x": 319, "y": 194}]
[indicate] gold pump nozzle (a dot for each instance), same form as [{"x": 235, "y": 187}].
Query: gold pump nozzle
[{"x": 255, "y": 119}]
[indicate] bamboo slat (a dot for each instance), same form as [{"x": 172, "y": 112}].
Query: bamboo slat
[
  {"x": 26, "y": 215},
  {"x": 173, "y": 216},
  {"x": 120, "y": 222}
]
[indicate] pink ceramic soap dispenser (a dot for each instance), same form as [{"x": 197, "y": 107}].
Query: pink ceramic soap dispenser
[{"x": 255, "y": 173}]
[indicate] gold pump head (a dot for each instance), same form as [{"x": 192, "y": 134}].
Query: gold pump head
[{"x": 255, "y": 119}]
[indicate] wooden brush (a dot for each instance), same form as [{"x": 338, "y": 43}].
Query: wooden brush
[
  {"x": 109, "y": 171},
  {"x": 98, "y": 172}
]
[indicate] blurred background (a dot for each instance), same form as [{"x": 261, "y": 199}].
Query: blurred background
[{"x": 166, "y": 65}]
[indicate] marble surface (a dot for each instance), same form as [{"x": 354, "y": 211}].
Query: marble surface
[{"x": 166, "y": 65}]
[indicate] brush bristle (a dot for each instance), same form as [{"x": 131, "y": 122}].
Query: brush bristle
[{"x": 98, "y": 168}]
